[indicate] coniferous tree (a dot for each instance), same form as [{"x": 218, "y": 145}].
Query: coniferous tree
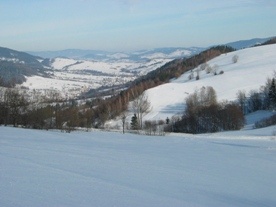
[
  {"x": 134, "y": 122},
  {"x": 272, "y": 94},
  {"x": 167, "y": 120}
]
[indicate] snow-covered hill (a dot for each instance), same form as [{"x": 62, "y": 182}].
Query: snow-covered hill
[
  {"x": 50, "y": 168},
  {"x": 15, "y": 65},
  {"x": 251, "y": 71}
]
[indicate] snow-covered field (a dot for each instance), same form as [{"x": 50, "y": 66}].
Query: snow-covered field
[
  {"x": 251, "y": 71},
  {"x": 50, "y": 168},
  {"x": 73, "y": 76}
]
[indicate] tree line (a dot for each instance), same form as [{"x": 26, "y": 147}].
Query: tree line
[
  {"x": 262, "y": 99},
  {"x": 204, "y": 114}
]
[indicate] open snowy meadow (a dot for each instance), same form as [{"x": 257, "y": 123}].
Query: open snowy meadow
[{"x": 51, "y": 168}]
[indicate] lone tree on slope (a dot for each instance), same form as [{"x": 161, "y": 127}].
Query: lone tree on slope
[
  {"x": 141, "y": 106},
  {"x": 134, "y": 122}
]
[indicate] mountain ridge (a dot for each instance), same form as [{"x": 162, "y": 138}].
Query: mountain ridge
[
  {"x": 101, "y": 54},
  {"x": 241, "y": 44},
  {"x": 109, "y": 56}
]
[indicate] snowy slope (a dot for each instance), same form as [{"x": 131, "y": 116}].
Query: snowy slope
[
  {"x": 251, "y": 71},
  {"x": 45, "y": 168}
]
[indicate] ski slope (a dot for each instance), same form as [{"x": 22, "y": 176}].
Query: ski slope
[
  {"x": 251, "y": 71},
  {"x": 50, "y": 168}
]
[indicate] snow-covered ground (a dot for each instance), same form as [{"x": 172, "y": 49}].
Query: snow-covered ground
[
  {"x": 73, "y": 76},
  {"x": 251, "y": 71},
  {"x": 50, "y": 168}
]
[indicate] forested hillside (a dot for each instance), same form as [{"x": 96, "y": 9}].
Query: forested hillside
[{"x": 15, "y": 65}]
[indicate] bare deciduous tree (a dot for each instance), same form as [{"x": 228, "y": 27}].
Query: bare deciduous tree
[
  {"x": 203, "y": 66},
  {"x": 208, "y": 69},
  {"x": 123, "y": 119},
  {"x": 235, "y": 58},
  {"x": 197, "y": 74},
  {"x": 215, "y": 69},
  {"x": 141, "y": 106},
  {"x": 191, "y": 76},
  {"x": 16, "y": 104},
  {"x": 241, "y": 96}
]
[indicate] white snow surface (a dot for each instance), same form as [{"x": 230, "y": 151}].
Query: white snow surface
[
  {"x": 175, "y": 54},
  {"x": 109, "y": 67},
  {"x": 51, "y": 168},
  {"x": 251, "y": 71}
]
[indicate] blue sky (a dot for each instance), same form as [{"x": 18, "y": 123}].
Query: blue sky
[{"x": 126, "y": 25}]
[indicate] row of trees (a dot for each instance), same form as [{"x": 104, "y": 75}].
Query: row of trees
[
  {"x": 209, "y": 69},
  {"x": 204, "y": 114},
  {"x": 12, "y": 106},
  {"x": 16, "y": 108},
  {"x": 262, "y": 99}
]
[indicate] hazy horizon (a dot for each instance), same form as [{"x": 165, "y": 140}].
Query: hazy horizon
[{"x": 129, "y": 25}]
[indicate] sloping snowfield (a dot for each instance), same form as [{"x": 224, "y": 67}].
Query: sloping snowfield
[
  {"x": 251, "y": 71},
  {"x": 47, "y": 168}
]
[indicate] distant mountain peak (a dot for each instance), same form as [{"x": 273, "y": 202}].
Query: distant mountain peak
[
  {"x": 134, "y": 56},
  {"x": 247, "y": 43}
]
